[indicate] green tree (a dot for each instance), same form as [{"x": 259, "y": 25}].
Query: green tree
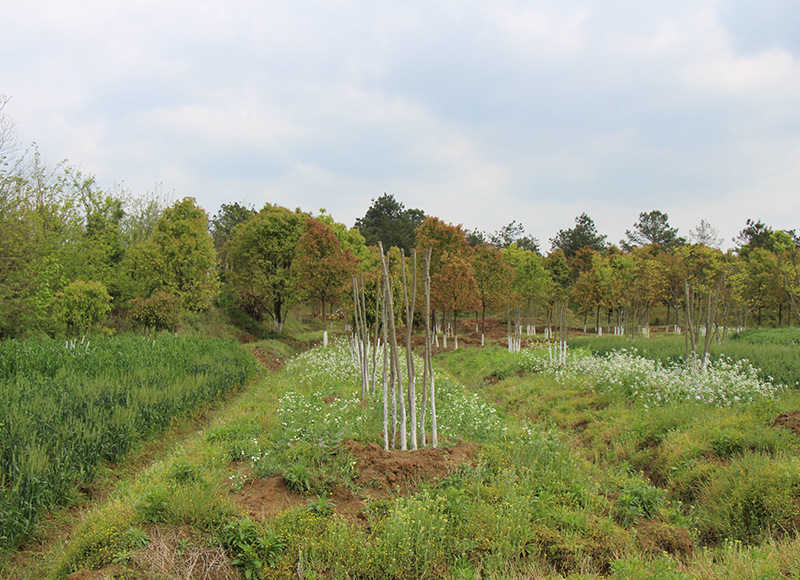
[
  {"x": 321, "y": 268},
  {"x": 532, "y": 283},
  {"x": 179, "y": 257},
  {"x": 706, "y": 270},
  {"x": 389, "y": 222},
  {"x": 81, "y": 305},
  {"x": 583, "y": 234},
  {"x": 753, "y": 279},
  {"x": 261, "y": 251},
  {"x": 653, "y": 228},
  {"x": 228, "y": 217}
]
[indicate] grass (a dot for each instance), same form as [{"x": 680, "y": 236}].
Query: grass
[{"x": 574, "y": 479}]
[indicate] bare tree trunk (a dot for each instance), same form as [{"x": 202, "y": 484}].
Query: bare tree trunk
[
  {"x": 409, "y": 307},
  {"x": 428, "y": 358},
  {"x": 385, "y": 332},
  {"x": 375, "y": 341},
  {"x": 394, "y": 354}
]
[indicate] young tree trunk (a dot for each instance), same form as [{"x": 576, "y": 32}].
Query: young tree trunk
[
  {"x": 394, "y": 354},
  {"x": 409, "y": 307},
  {"x": 385, "y": 332},
  {"x": 431, "y": 383}
]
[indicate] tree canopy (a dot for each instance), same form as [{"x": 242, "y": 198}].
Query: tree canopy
[
  {"x": 652, "y": 228},
  {"x": 387, "y": 221},
  {"x": 261, "y": 251},
  {"x": 179, "y": 257},
  {"x": 583, "y": 234}
]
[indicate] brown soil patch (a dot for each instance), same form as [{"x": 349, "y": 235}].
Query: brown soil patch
[
  {"x": 789, "y": 421},
  {"x": 402, "y": 470},
  {"x": 381, "y": 473},
  {"x": 266, "y": 359},
  {"x": 656, "y": 537}
]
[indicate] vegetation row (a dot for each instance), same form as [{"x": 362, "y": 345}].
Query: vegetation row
[{"x": 67, "y": 406}]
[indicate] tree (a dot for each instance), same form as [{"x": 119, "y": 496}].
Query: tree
[
  {"x": 351, "y": 239},
  {"x": 652, "y": 228},
  {"x": 441, "y": 238},
  {"x": 389, "y": 222},
  {"x": 261, "y": 251},
  {"x": 754, "y": 235},
  {"x": 514, "y": 233},
  {"x": 454, "y": 288},
  {"x": 81, "y": 305},
  {"x": 706, "y": 270},
  {"x": 228, "y": 217},
  {"x": 705, "y": 234},
  {"x": 583, "y": 234},
  {"x": 161, "y": 311},
  {"x": 493, "y": 277},
  {"x": 753, "y": 280},
  {"x": 322, "y": 270},
  {"x": 179, "y": 257},
  {"x": 532, "y": 283}
]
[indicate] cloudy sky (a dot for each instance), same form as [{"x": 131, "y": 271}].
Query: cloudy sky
[{"x": 479, "y": 112}]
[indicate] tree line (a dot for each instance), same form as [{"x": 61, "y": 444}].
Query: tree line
[{"x": 74, "y": 256}]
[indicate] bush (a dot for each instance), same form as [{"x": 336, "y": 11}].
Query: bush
[{"x": 159, "y": 312}]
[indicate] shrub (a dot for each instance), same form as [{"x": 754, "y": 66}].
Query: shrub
[{"x": 161, "y": 311}]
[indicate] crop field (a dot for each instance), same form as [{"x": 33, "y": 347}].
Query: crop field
[{"x": 65, "y": 407}]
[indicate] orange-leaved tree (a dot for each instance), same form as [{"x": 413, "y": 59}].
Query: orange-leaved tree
[
  {"x": 321, "y": 268},
  {"x": 493, "y": 278},
  {"x": 454, "y": 288}
]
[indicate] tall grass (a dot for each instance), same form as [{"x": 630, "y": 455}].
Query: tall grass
[{"x": 65, "y": 407}]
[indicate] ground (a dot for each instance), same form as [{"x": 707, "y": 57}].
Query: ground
[{"x": 381, "y": 474}]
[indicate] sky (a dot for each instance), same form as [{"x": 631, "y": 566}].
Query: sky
[{"x": 477, "y": 112}]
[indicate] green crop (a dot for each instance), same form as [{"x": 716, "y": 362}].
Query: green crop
[{"x": 65, "y": 407}]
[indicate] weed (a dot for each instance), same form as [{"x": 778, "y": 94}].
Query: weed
[
  {"x": 297, "y": 478},
  {"x": 320, "y": 506}
]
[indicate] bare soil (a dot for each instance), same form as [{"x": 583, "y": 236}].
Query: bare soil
[
  {"x": 790, "y": 420},
  {"x": 381, "y": 474}
]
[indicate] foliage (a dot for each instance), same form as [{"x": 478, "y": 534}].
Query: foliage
[
  {"x": 454, "y": 288},
  {"x": 514, "y": 233},
  {"x": 179, "y": 258},
  {"x": 228, "y": 217},
  {"x": 583, "y": 234},
  {"x": 441, "y": 238},
  {"x": 651, "y": 229},
  {"x": 260, "y": 253},
  {"x": 161, "y": 311},
  {"x": 253, "y": 547},
  {"x": 81, "y": 305},
  {"x": 388, "y": 221},
  {"x": 322, "y": 270}
]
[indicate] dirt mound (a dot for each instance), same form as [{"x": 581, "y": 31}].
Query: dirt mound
[
  {"x": 402, "y": 470},
  {"x": 789, "y": 421},
  {"x": 381, "y": 472}
]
